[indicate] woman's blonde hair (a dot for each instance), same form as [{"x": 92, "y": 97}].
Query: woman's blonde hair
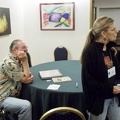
[{"x": 101, "y": 24}]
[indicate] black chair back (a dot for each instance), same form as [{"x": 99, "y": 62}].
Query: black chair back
[
  {"x": 60, "y": 53},
  {"x": 63, "y": 113},
  {"x": 29, "y": 59}
]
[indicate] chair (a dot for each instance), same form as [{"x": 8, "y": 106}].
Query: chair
[
  {"x": 63, "y": 113},
  {"x": 60, "y": 53},
  {"x": 29, "y": 59},
  {"x": 6, "y": 115}
]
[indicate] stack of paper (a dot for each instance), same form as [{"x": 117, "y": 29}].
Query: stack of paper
[
  {"x": 47, "y": 74},
  {"x": 61, "y": 79}
]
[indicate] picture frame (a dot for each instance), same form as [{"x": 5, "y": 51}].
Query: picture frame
[
  {"x": 5, "y": 26},
  {"x": 57, "y": 16}
]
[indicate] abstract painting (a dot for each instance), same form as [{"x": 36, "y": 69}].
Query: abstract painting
[
  {"x": 57, "y": 16},
  {"x": 5, "y": 27}
]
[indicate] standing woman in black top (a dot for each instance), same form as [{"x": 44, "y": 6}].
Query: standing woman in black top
[{"x": 101, "y": 71}]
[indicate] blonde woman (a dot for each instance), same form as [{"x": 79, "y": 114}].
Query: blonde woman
[{"x": 101, "y": 71}]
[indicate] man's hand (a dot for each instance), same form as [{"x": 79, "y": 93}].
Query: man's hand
[
  {"x": 21, "y": 55},
  {"x": 30, "y": 79}
]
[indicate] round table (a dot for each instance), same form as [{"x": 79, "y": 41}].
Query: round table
[{"x": 68, "y": 94}]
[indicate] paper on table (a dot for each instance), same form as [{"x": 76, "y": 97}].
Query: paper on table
[
  {"x": 50, "y": 73},
  {"x": 53, "y": 87},
  {"x": 61, "y": 79}
]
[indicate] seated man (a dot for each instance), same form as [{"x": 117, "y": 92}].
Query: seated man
[{"x": 14, "y": 70}]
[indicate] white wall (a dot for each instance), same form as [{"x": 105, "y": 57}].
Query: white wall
[
  {"x": 17, "y": 25},
  {"x": 25, "y": 24},
  {"x": 110, "y": 8}
]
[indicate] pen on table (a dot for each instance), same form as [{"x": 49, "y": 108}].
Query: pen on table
[
  {"x": 76, "y": 84},
  {"x": 48, "y": 80}
]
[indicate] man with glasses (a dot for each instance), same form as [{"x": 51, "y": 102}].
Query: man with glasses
[{"x": 14, "y": 70}]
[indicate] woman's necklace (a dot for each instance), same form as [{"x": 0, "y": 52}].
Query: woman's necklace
[{"x": 107, "y": 59}]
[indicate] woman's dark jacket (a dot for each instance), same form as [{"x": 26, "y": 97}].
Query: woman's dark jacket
[{"x": 95, "y": 77}]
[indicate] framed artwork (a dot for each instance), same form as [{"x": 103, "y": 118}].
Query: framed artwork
[
  {"x": 5, "y": 27},
  {"x": 57, "y": 16}
]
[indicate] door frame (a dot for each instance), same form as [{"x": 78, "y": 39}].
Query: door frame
[{"x": 91, "y": 12}]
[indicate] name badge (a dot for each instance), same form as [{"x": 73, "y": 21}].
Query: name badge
[{"x": 111, "y": 72}]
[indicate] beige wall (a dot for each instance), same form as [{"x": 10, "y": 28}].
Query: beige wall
[
  {"x": 109, "y": 8},
  {"x": 25, "y": 24}
]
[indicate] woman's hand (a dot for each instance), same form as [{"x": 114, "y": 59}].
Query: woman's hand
[{"x": 116, "y": 89}]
